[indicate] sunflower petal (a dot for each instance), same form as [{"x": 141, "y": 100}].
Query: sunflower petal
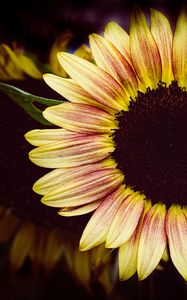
[
  {"x": 125, "y": 221},
  {"x": 119, "y": 38},
  {"x": 93, "y": 234},
  {"x": 152, "y": 241},
  {"x": 144, "y": 51},
  {"x": 112, "y": 61},
  {"x": 89, "y": 149},
  {"x": 128, "y": 252},
  {"x": 55, "y": 178},
  {"x": 94, "y": 80},
  {"x": 80, "y": 118},
  {"x": 70, "y": 90},
  {"x": 180, "y": 49},
  {"x": 79, "y": 210},
  {"x": 176, "y": 227},
  {"x": 128, "y": 259},
  {"x": 53, "y": 250},
  {"x": 22, "y": 245},
  {"x": 40, "y": 137},
  {"x": 85, "y": 189},
  {"x": 163, "y": 35}
]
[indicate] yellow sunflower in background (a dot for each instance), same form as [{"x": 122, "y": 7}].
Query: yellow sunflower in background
[
  {"x": 121, "y": 149},
  {"x": 45, "y": 248},
  {"x": 17, "y": 64},
  {"x": 30, "y": 241}
]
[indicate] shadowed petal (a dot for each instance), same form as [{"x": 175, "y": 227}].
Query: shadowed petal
[
  {"x": 152, "y": 241},
  {"x": 94, "y": 80},
  {"x": 97, "y": 228},
  {"x": 162, "y": 33},
  {"x": 85, "y": 189},
  {"x": 128, "y": 252},
  {"x": 125, "y": 220},
  {"x": 22, "y": 245},
  {"x": 180, "y": 49},
  {"x": 80, "y": 118},
  {"x": 144, "y": 51},
  {"x": 53, "y": 249},
  {"x": 79, "y": 210},
  {"x": 176, "y": 226}
]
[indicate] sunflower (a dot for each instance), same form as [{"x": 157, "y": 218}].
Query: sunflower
[
  {"x": 29, "y": 241},
  {"x": 121, "y": 149},
  {"x": 91, "y": 269},
  {"x": 17, "y": 64}
]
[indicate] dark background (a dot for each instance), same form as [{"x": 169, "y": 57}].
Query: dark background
[{"x": 35, "y": 25}]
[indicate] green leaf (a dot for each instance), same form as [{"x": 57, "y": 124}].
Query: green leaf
[{"x": 27, "y": 101}]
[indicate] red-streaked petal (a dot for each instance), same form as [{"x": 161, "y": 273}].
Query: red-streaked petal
[
  {"x": 176, "y": 227},
  {"x": 55, "y": 178},
  {"x": 163, "y": 35},
  {"x": 40, "y": 137},
  {"x": 152, "y": 240},
  {"x": 85, "y": 189},
  {"x": 94, "y": 80},
  {"x": 119, "y": 38},
  {"x": 89, "y": 149},
  {"x": 113, "y": 62},
  {"x": 97, "y": 228},
  {"x": 125, "y": 220},
  {"x": 128, "y": 252},
  {"x": 180, "y": 49},
  {"x": 79, "y": 210},
  {"x": 70, "y": 90},
  {"x": 144, "y": 51},
  {"x": 80, "y": 118}
]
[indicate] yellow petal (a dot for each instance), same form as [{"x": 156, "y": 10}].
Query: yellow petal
[
  {"x": 112, "y": 61},
  {"x": 40, "y": 137},
  {"x": 86, "y": 189},
  {"x": 128, "y": 252},
  {"x": 180, "y": 49},
  {"x": 176, "y": 226},
  {"x": 53, "y": 250},
  {"x": 79, "y": 210},
  {"x": 54, "y": 179},
  {"x": 23, "y": 63},
  {"x": 127, "y": 259},
  {"x": 125, "y": 220},
  {"x": 119, "y": 38},
  {"x": 163, "y": 35},
  {"x": 97, "y": 228},
  {"x": 84, "y": 52},
  {"x": 152, "y": 241},
  {"x": 94, "y": 80},
  {"x": 144, "y": 51},
  {"x": 61, "y": 44},
  {"x": 22, "y": 245},
  {"x": 80, "y": 118},
  {"x": 70, "y": 90},
  {"x": 89, "y": 149}
]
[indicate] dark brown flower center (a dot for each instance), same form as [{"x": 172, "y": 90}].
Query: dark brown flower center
[{"x": 151, "y": 144}]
